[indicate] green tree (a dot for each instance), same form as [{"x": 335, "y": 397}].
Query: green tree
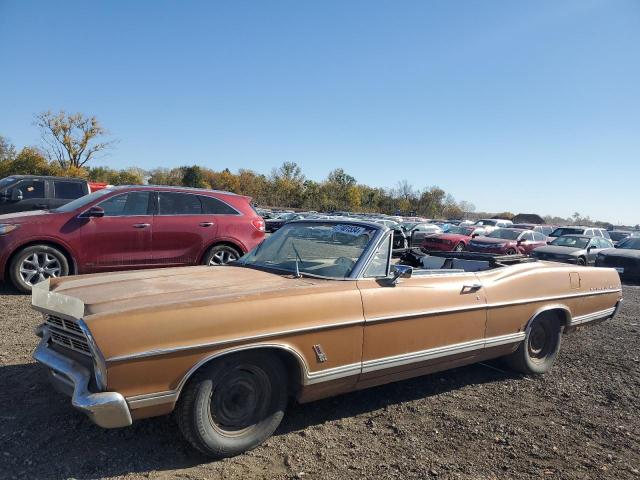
[{"x": 193, "y": 176}]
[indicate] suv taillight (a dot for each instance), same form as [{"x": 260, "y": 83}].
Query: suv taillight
[{"x": 258, "y": 223}]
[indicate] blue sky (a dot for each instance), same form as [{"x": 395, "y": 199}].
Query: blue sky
[{"x": 512, "y": 105}]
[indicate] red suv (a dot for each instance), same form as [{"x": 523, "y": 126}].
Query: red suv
[
  {"x": 508, "y": 241},
  {"x": 122, "y": 228}
]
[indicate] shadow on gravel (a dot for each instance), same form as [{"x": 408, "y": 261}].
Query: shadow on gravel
[
  {"x": 42, "y": 436},
  {"x": 8, "y": 289}
]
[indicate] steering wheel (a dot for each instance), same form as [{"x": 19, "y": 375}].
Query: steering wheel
[{"x": 345, "y": 262}]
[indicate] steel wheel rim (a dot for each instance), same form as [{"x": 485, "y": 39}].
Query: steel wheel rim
[
  {"x": 39, "y": 266},
  {"x": 540, "y": 342},
  {"x": 222, "y": 257},
  {"x": 239, "y": 400}
]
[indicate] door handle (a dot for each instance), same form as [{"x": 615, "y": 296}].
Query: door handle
[
  {"x": 206, "y": 224},
  {"x": 473, "y": 287},
  {"x": 141, "y": 225}
]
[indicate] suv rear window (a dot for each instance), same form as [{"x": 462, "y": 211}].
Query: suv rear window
[
  {"x": 211, "y": 205},
  {"x": 558, "y": 232}
]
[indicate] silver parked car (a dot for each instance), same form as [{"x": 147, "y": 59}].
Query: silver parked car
[{"x": 576, "y": 249}]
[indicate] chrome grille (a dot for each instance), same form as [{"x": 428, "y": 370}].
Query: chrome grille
[
  {"x": 64, "y": 324},
  {"x": 67, "y": 333}
]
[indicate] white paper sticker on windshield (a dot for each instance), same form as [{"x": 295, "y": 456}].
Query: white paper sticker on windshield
[{"x": 349, "y": 230}]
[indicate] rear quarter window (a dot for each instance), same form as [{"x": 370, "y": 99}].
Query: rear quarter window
[
  {"x": 213, "y": 206},
  {"x": 68, "y": 190}
]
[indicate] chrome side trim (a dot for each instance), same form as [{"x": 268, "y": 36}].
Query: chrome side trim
[
  {"x": 329, "y": 374},
  {"x": 152, "y": 399},
  {"x": 602, "y": 314},
  {"x": 264, "y": 336},
  {"x": 488, "y": 306},
  {"x": 433, "y": 353},
  {"x": 333, "y": 373}
]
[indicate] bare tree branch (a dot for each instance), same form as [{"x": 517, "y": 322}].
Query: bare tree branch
[{"x": 71, "y": 139}]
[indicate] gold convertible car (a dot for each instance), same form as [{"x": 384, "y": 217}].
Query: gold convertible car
[{"x": 316, "y": 310}]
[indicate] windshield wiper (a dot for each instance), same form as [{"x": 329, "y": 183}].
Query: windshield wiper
[{"x": 297, "y": 274}]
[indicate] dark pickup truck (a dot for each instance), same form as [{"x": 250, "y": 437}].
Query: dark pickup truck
[{"x": 32, "y": 192}]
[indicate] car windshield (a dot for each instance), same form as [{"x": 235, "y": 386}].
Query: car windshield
[
  {"x": 82, "y": 201},
  {"x": 575, "y": 242},
  {"x": 461, "y": 231},
  {"x": 409, "y": 225},
  {"x": 488, "y": 223},
  {"x": 558, "y": 232},
  {"x": 617, "y": 236},
  {"x": 6, "y": 181},
  {"x": 319, "y": 249},
  {"x": 632, "y": 243},
  {"x": 505, "y": 233}
]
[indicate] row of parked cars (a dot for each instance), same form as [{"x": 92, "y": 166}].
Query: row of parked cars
[{"x": 91, "y": 228}]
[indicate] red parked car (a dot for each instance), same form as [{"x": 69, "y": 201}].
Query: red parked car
[
  {"x": 508, "y": 241},
  {"x": 122, "y": 228},
  {"x": 455, "y": 239}
]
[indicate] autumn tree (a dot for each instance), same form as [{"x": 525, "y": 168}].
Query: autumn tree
[{"x": 71, "y": 140}]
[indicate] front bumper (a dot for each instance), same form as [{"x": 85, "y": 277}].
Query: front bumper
[{"x": 106, "y": 409}]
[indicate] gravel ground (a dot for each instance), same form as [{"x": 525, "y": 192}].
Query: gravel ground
[{"x": 478, "y": 422}]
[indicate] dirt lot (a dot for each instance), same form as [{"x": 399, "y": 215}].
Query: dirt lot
[{"x": 580, "y": 421}]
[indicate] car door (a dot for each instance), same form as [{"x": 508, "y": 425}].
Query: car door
[
  {"x": 596, "y": 245},
  {"x": 122, "y": 238},
  {"x": 421, "y": 321},
  {"x": 27, "y": 194},
  {"x": 180, "y": 229}
]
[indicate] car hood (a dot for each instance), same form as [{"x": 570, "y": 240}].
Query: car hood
[
  {"x": 448, "y": 236},
  {"x": 87, "y": 295},
  {"x": 490, "y": 240},
  {"x": 621, "y": 253},
  {"x": 31, "y": 216},
  {"x": 557, "y": 250}
]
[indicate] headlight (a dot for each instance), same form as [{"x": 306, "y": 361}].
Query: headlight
[{"x": 6, "y": 228}]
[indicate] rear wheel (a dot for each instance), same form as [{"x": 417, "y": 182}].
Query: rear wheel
[
  {"x": 35, "y": 264},
  {"x": 540, "y": 348},
  {"x": 234, "y": 404},
  {"x": 221, "y": 255}
]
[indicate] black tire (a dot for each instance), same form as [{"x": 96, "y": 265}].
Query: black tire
[
  {"x": 581, "y": 261},
  {"x": 538, "y": 352},
  {"x": 459, "y": 247},
  {"x": 221, "y": 255},
  {"x": 233, "y": 404},
  {"x": 511, "y": 251},
  {"x": 36, "y": 263}
]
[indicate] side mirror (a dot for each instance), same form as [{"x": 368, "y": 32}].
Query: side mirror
[
  {"x": 475, "y": 235},
  {"x": 94, "y": 211},
  {"x": 400, "y": 271},
  {"x": 16, "y": 195},
  {"x": 590, "y": 247}
]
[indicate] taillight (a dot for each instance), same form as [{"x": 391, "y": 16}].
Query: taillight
[{"x": 258, "y": 223}]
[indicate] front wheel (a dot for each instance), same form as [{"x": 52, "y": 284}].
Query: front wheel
[
  {"x": 581, "y": 261},
  {"x": 459, "y": 247},
  {"x": 540, "y": 348},
  {"x": 221, "y": 255},
  {"x": 234, "y": 404},
  {"x": 35, "y": 264},
  {"x": 512, "y": 251}
]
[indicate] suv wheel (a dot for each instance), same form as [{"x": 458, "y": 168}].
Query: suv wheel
[
  {"x": 221, "y": 255},
  {"x": 35, "y": 264}
]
